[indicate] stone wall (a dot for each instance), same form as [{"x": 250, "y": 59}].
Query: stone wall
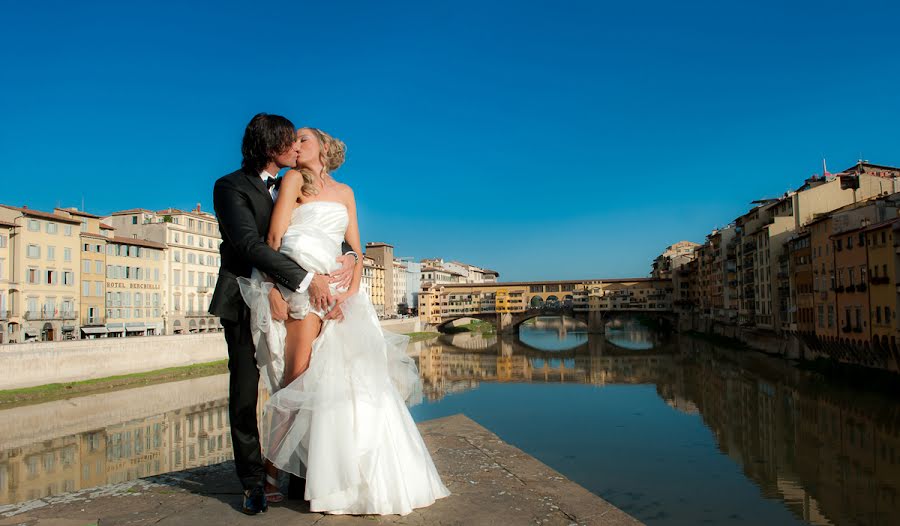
[{"x": 30, "y": 364}]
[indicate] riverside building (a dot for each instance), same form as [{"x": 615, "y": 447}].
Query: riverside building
[
  {"x": 192, "y": 264},
  {"x": 43, "y": 296}
]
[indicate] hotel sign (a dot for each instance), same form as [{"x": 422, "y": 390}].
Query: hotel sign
[{"x": 121, "y": 285}]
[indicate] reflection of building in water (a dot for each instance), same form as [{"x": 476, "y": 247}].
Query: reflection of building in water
[
  {"x": 446, "y": 369},
  {"x": 194, "y": 436},
  {"x": 832, "y": 456}
]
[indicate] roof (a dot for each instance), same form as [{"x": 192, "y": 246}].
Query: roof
[
  {"x": 488, "y": 271},
  {"x": 43, "y": 215},
  {"x": 560, "y": 282},
  {"x": 5, "y": 224},
  {"x": 137, "y": 242},
  {"x": 378, "y": 244},
  {"x": 882, "y": 224},
  {"x": 79, "y": 213},
  {"x": 132, "y": 211},
  {"x": 107, "y": 227}
]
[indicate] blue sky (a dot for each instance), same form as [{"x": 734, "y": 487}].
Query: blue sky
[{"x": 542, "y": 139}]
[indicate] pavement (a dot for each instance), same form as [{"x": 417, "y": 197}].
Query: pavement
[{"x": 491, "y": 483}]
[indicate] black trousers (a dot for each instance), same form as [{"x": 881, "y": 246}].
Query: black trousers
[{"x": 243, "y": 392}]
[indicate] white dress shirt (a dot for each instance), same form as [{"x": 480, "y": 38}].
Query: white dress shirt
[{"x": 309, "y": 275}]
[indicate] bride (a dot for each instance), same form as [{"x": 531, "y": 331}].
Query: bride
[{"x": 338, "y": 388}]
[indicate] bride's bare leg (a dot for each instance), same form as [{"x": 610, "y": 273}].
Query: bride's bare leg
[{"x": 298, "y": 345}]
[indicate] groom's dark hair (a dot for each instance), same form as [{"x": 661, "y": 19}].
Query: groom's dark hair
[{"x": 265, "y": 137}]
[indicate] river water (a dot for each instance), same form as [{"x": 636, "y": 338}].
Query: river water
[{"x": 673, "y": 430}]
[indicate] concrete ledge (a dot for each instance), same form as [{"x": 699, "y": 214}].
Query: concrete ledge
[
  {"x": 31, "y": 364},
  {"x": 492, "y": 483}
]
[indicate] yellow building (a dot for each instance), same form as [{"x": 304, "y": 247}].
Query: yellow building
[
  {"x": 92, "y": 278},
  {"x": 6, "y": 230},
  {"x": 43, "y": 275},
  {"x": 882, "y": 271},
  {"x": 135, "y": 287},
  {"x": 373, "y": 279}
]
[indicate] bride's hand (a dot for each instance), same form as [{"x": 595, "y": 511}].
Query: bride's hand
[{"x": 342, "y": 276}]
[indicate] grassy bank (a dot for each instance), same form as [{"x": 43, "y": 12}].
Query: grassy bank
[
  {"x": 478, "y": 326},
  {"x": 49, "y": 392},
  {"x": 421, "y": 336}
]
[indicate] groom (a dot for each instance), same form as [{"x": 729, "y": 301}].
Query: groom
[{"x": 243, "y": 201}]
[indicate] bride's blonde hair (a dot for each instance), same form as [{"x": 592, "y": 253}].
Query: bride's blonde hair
[{"x": 331, "y": 155}]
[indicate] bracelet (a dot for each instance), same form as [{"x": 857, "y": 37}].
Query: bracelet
[{"x": 355, "y": 256}]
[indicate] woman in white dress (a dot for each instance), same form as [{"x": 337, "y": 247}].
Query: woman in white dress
[{"x": 337, "y": 412}]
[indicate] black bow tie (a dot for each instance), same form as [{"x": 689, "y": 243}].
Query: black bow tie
[{"x": 270, "y": 182}]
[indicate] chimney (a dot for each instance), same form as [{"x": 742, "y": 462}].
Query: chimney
[{"x": 198, "y": 208}]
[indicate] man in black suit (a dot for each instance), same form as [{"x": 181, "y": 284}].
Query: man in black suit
[{"x": 243, "y": 201}]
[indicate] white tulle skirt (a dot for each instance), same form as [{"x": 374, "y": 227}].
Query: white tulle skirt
[{"x": 344, "y": 423}]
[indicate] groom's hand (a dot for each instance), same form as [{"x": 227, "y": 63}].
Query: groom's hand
[
  {"x": 277, "y": 305},
  {"x": 344, "y": 275},
  {"x": 319, "y": 292}
]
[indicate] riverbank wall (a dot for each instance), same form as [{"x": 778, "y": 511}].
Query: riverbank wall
[
  {"x": 33, "y": 364},
  {"x": 797, "y": 347}
]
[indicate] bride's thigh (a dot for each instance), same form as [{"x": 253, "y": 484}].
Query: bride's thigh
[{"x": 298, "y": 345}]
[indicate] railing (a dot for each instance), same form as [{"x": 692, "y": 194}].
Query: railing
[
  {"x": 56, "y": 315},
  {"x": 197, "y": 314}
]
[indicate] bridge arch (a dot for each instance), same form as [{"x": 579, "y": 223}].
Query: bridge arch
[{"x": 536, "y": 302}]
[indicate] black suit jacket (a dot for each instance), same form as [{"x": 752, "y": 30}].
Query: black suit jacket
[{"x": 244, "y": 209}]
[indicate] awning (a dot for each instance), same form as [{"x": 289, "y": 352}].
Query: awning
[
  {"x": 68, "y": 328},
  {"x": 135, "y": 326},
  {"x": 115, "y": 327},
  {"x": 94, "y": 330},
  {"x": 32, "y": 333}
]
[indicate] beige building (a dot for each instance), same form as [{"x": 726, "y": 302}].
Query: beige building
[
  {"x": 400, "y": 284},
  {"x": 373, "y": 283},
  {"x": 383, "y": 255},
  {"x": 192, "y": 265},
  {"x": 136, "y": 284},
  {"x": 6, "y": 230},
  {"x": 43, "y": 275},
  {"x": 92, "y": 277}
]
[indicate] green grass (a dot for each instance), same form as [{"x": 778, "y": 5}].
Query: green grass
[
  {"x": 420, "y": 336},
  {"x": 483, "y": 327},
  {"x": 45, "y": 393}
]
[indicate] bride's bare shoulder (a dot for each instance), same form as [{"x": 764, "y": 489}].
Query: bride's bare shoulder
[{"x": 345, "y": 192}]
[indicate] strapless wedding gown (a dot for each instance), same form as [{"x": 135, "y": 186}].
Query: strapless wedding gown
[{"x": 343, "y": 424}]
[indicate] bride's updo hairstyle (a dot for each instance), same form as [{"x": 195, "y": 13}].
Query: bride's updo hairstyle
[{"x": 331, "y": 155}]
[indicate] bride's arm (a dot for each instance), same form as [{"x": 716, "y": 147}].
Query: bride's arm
[
  {"x": 288, "y": 194},
  {"x": 352, "y": 238}
]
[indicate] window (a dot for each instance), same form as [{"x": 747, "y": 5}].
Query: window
[
  {"x": 190, "y": 240},
  {"x": 51, "y": 253},
  {"x": 156, "y": 274},
  {"x": 887, "y": 315},
  {"x": 98, "y": 289},
  {"x": 2, "y": 241},
  {"x": 85, "y": 288},
  {"x": 67, "y": 254},
  {"x": 133, "y": 220},
  {"x": 32, "y": 276},
  {"x": 176, "y": 277},
  {"x": 51, "y": 277},
  {"x": 34, "y": 225},
  {"x": 68, "y": 277},
  {"x": 190, "y": 276},
  {"x": 98, "y": 267},
  {"x": 84, "y": 225},
  {"x": 52, "y": 228},
  {"x": 67, "y": 230},
  {"x": 176, "y": 255}
]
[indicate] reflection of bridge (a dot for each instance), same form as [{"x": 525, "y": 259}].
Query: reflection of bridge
[
  {"x": 595, "y": 321},
  {"x": 446, "y": 368}
]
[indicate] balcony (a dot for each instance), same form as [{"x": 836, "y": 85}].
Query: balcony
[
  {"x": 850, "y": 288},
  {"x": 879, "y": 280},
  {"x": 202, "y": 289},
  {"x": 196, "y": 314},
  {"x": 46, "y": 315}
]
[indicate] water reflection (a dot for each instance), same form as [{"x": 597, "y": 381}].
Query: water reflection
[
  {"x": 553, "y": 333},
  {"x": 680, "y": 433},
  {"x": 630, "y": 333},
  {"x": 102, "y": 439}
]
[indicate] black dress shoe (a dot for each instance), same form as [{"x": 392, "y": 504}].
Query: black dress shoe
[
  {"x": 254, "y": 501},
  {"x": 296, "y": 488}
]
